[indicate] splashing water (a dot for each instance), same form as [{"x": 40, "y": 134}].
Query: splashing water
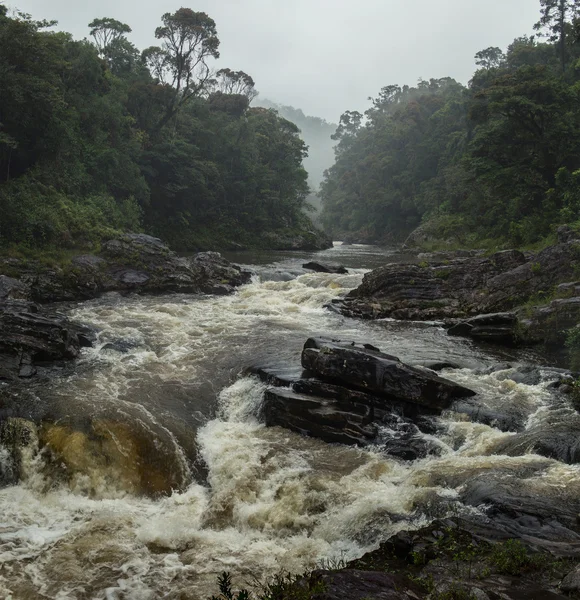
[{"x": 160, "y": 475}]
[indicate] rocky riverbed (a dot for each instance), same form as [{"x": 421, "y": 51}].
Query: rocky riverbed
[{"x": 508, "y": 298}]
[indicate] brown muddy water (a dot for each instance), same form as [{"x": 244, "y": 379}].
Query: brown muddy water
[{"x": 160, "y": 475}]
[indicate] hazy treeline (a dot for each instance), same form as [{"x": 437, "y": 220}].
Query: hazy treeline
[
  {"x": 497, "y": 159},
  {"x": 98, "y": 137},
  {"x": 317, "y": 134}
]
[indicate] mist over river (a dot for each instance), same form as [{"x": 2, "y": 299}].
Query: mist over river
[{"x": 165, "y": 476}]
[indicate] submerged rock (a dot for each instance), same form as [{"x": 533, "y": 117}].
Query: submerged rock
[
  {"x": 323, "y": 267},
  {"x": 110, "y": 456}
]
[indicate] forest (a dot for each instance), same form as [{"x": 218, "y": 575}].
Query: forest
[
  {"x": 494, "y": 162},
  {"x": 98, "y": 137}
]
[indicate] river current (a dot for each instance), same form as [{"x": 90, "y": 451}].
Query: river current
[{"x": 161, "y": 476}]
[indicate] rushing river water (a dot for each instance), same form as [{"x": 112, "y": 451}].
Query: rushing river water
[{"x": 161, "y": 476}]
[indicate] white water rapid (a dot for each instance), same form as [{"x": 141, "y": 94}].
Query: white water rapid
[{"x": 161, "y": 475}]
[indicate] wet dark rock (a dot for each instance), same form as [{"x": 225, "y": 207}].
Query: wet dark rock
[
  {"x": 462, "y": 288},
  {"x": 323, "y": 267},
  {"x": 527, "y": 375},
  {"x": 323, "y": 418},
  {"x": 500, "y": 328},
  {"x": 557, "y": 436},
  {"x": 437, "y": 365},
  {"x": 216, "y": 275},
  {"x": 276, "y": 376},
  {"x": 379, "y": 374},
  {"x": 501, "y": 366},
  {"x": 121, "y": 346},
  {"x": 352, "y": 393},
  {"x": 30, "y": 337},
  {"x": 350, "y": 584},
  {"x": 19, "y": 438},
  {"x": 131, "y": 263},
  {"x": 409, "y": 446},
  {"x": 337, "y": 414},
  {"x": 508, "y": 418},
  {"x": 514, "y": 508}
]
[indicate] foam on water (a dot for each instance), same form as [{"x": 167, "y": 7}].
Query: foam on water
[{"x": 271, "y": 500}]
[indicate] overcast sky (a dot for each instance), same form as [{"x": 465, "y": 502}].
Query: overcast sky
[{"x": 324, "y": 56}]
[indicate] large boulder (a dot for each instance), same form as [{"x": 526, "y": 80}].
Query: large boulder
[
  {"x": 462, "y": 287},
  {"x": 500, "y": 328},
  {"x": 357, "y": 395},
  {"x": 329, "y": 420},
  {"x": 380, "y": 374}
]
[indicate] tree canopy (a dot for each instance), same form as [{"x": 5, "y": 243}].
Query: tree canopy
[
  {"x": 499, "y": 158},
  {"x": 97, "y": 137}
]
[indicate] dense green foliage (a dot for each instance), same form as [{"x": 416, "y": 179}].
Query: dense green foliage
[
  {"x": 498, "y": 159},
  {"x": 96, "y": 137}
]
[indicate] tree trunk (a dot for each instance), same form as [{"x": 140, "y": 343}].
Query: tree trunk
[{"x": 563, "y": 10}]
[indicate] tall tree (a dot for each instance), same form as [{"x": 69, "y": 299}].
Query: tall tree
[
  {"x": 490, "y": 58},
  {"x": 107, "y": 32},
  {"x": 236, "y": 82},
  {"x": 556, "y": 16},
  {"x": 189, "y": 39}
]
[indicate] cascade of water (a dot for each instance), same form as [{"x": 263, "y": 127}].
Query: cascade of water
[{"x": 159, "y": 405}]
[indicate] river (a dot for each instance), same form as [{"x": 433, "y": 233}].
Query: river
[{"x": 160, "y": 475}]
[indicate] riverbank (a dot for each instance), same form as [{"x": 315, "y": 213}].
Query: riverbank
[{"x": 508, "y": 298}]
